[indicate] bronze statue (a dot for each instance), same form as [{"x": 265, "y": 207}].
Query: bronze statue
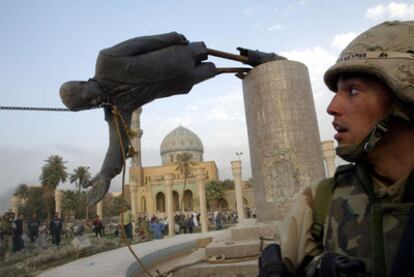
[{"x": 135, "y": 72}]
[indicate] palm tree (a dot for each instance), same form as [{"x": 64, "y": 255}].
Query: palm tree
[
  {"x": 53, "y": 172},
  {"x": 81, "y": 175},
  {"x": 70, "y": 202},
  {"x": 185, "y": 167}
]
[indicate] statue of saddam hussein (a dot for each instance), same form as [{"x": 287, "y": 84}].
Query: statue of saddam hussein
[{"x": 135, "y": 72}]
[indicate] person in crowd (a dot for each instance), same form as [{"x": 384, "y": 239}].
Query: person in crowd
[
  {"x": 97, "y": 226},
  {"x": 18, "y": 243},
  {"x": 219, "y": 221},
  {"x": 190, "y": 223},
  {"x": 156, "y": 227},
  {"x": 33, "y": 228},
  {"x": 55, "y": 229},
  {"x": 41, "y": 240}
]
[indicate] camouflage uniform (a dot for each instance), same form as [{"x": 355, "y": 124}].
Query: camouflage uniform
[
  {"x": 361, "y": 205},
  {"x": 367, "y": 218},
  {"x": 6, "y": 230}
]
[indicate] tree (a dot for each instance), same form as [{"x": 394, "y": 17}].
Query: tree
[
  {"x": 228, "y": 184},
  {"x": 80, "y": 175},
  {"x": 21, "y": 191},
  {"x": 33, "y": 203},
  {"x": 214, "y": 191},
  {"x": 185, "y": 167},
  {"x": 70, "y": 202},
  {"x": 53, "y": 172},
  {"x": 117, "y": 204}
]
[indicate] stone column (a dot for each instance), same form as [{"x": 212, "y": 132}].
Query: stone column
[
  {"x": 329, "y": 156},
  {"x": 283, "y": 133},
  {"x": 201, "y": 177},
  {"x": 237, "y": 175},
  {"x": 133, "y": 194},
  {"x": 58, "y": 202},
  {"x": 99, "y": 209},
  {"x": 136, "y": 141},
  {"x": 168, "y": 178},
  {"x": 14, "y": 203}
]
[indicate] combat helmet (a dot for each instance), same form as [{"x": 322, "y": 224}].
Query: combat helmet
[{"x": 386, "y": 52}]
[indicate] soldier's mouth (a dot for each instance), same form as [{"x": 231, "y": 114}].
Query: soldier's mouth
[{"x": 339, "y": 128}]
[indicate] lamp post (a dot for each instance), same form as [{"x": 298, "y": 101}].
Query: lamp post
[{"x": 238, "y": 154}]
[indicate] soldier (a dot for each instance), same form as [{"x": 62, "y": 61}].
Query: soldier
[
  {"x": 361, "y": 221},
  {"x": 6, "y": 231}
]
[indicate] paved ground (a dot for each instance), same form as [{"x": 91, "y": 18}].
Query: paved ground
[{"x": 117, "y": 262}]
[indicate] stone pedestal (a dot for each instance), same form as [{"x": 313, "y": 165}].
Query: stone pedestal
[
  {"x": 133, "y": 189},
  {"x": 329, "y": 155},
  {"x": 168, "y": 178},
  {"x": 58, "y": 202},
  {"x": 283, "y": 135},
  {"x": 201, "y": 178},
  {"x": 237, "y": 175}
]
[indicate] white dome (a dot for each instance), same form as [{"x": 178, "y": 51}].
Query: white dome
[{"x": 181, "y": 140}]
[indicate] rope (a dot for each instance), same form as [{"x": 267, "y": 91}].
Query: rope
[
  {"x": 217, "y": 259},
  {"x": 117, "y": 116},
  {"x": 222, "y": 259}
]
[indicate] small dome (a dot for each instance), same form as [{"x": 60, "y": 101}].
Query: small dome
[{"x": 178, "y": 141}]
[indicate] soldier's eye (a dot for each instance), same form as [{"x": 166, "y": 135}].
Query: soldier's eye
[{"x": 353, "y": 91}]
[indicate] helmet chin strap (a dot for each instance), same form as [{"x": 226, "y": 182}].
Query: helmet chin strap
[{"x": 354, "y": 153}]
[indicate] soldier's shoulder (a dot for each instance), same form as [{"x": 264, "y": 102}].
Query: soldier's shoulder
[{"x": 344, "y": 169}]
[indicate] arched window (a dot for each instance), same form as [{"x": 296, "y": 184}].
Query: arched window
[
  {"x": 188, "y": 200},
  {"x": 143, "y": 204},
  {"x": 160, "y": 199},
  {"x": 176, "y": 201},
  {"x": 222, "y": 204}
]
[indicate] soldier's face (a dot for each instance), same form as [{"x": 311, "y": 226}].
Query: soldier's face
[{"x": 357, "y": 106}]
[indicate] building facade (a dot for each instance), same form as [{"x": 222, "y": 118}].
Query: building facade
[{"x": 147, "y": 187}]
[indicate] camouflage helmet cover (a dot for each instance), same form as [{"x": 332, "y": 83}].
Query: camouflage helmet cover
[{"x": 385, "y": 51}]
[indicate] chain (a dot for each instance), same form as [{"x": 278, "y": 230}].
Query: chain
[{"x": 42, "y": 109}]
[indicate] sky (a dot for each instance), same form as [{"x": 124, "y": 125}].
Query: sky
[{"x": 45, "y": 43}]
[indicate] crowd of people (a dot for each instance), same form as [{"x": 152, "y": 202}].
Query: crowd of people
[{"x": 16, "y": 233}]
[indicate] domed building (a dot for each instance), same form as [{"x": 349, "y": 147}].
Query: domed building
[
  {"x": 178, "y": 141},
  {"x": 147, "y": 186}
]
